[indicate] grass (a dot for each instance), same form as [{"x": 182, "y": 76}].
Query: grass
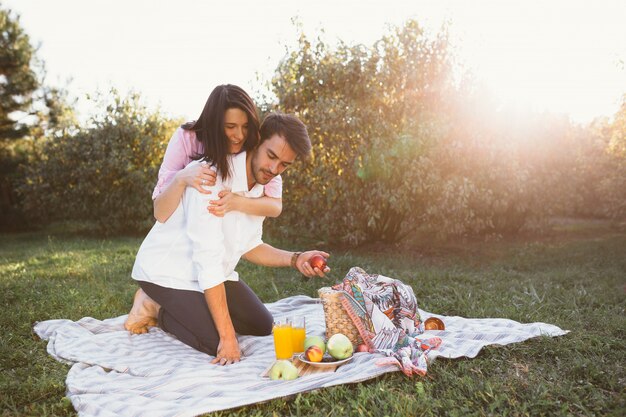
[{"x": 575, "y": 279}]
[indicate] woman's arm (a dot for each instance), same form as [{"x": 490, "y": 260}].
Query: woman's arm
[
  {"x": 165, "y": 203},
  {"x": 264, "y": 206},
  {"x": 175, "y": 174},
  {"x": 269, "y": 206},
  {"x": 191, "y": 176}
]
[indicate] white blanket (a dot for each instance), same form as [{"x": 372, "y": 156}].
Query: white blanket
[{"x": 115, "y": 373}]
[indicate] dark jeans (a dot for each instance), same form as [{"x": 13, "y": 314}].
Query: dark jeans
[{"x": 186, "y": 315}]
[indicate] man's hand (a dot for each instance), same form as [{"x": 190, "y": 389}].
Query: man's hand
[
  {"x": 303, "y": 265},
  {"x": 227, "y": 352}
]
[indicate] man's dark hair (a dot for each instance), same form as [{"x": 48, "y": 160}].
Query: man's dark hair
[
  {"x": 209, "y": 127},
  {"x": 289, "y": 127}
]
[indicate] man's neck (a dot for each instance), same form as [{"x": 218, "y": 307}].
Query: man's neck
[{"x": 249, "y": 175}]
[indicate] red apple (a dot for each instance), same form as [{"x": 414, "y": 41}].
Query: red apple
[
  {"x": 362, "y": 348},
  {"x": 317, "y": 261},
  {"x": 313, "y": 354},
  {"x": 433, "y": 323}
]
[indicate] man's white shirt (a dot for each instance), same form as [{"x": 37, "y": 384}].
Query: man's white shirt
[{"x": 194, "y": 249}]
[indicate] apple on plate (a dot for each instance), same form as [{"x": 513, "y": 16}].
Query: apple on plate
[
  {"x": 315, "y": 341},
  {"x": 283, "y": 369},
  {"x": 313, "y": 354},
  {"x": 339, "y": 346}
]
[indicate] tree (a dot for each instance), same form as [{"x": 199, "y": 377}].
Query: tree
[
  {"x": 18, "y": 80},
  {"x": 613, "y": 185},
  {"x": 30, "y": 110},
  {"x": 370, "y": 116},
  {"x": 617, "y": 132},
  {"x": 399, "y": 145}
]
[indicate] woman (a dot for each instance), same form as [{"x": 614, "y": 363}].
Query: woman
[{"x": 228, "y": 124}]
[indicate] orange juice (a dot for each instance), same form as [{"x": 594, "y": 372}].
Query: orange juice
[
  {"x": 298, "y": 334},
  {"x": 283, "y": 345}
]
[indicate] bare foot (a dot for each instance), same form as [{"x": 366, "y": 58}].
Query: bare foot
[{"x": 143, "y": 314}]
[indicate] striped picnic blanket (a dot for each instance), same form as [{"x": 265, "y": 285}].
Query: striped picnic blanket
[{"x": 115, "y": 373}]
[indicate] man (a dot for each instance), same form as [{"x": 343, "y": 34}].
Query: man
[{"x": 186, "y": 266}]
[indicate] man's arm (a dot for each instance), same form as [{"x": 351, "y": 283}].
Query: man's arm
[
  {"x": 267, "y": 255},
  {"x": 228, "y": 349}
]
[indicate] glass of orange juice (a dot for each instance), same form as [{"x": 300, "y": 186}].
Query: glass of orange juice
[
  {"x": 298, "y": 333},
  {"x": 283, "y": 345}
]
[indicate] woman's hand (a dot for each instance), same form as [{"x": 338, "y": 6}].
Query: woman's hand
[
  {"x": 303, "y": 265},
  {"x": 227, "y": 202},
  {"x": 196, "y": 176},
  {"x": 227, "y": 352}
]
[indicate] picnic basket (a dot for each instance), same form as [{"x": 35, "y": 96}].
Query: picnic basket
[{"x": 337, "y": 320}]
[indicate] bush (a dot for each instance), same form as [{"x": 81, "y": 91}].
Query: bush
[
  {"x": 599, "y": 173},
  {"x": 394, "y": 151},
  {"x": 362, "y": 182},
  {"x": 104, "y": 173},
  {"x": 13, "y": 153},
  {"x": 613, "y": 185}
]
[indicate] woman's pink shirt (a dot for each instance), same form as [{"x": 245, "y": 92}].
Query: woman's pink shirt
[{"x": 183, "y": 146}]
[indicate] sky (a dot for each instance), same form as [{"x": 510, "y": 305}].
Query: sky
[{"x": 561, "y": 56}]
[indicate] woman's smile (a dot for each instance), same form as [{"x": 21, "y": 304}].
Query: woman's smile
[{"x": 235, "y": 128}]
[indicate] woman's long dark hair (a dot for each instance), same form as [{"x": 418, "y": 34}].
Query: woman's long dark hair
[{"x": 209, "y": 127}]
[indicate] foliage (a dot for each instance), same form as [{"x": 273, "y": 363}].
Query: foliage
[
  {"x": 617, "y": 132},
  {"x": 28, "y": 105},
  {"x": 397, "y": 147},
  {"x": 403, "y": 143},
  {"x": 613, "y": 186},
  {"x": 573, "y": 280},
  {"x": 103, "y": 173},
  {"x": 599, "y": 174},
  {"x": 366, "y": 131},
  {"x": 12, "y": 154},
  {"x": 29, "y": 109},
  {"x": 18, "y": 80}
]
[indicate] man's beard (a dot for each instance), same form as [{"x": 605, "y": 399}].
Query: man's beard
[{"x": 261, "y": 176}]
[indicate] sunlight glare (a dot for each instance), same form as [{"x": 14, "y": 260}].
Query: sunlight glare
[{"x": 561, "y": 56}]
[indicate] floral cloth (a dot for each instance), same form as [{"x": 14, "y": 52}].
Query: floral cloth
[{"x": 385, "y": 312}]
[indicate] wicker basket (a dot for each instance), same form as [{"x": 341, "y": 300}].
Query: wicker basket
[{"x": 337, "y": 320}]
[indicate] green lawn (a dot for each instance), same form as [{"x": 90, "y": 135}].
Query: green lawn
[{"x": 575, "y": 279}]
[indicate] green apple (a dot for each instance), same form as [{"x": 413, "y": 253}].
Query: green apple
[
  {"x": 283, "y": 369},
  {"x": 339, "y": 346},
  {"x": 315, "y": 341}
]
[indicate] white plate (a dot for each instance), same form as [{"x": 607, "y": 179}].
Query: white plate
[{"x": 324, "y": 364}]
